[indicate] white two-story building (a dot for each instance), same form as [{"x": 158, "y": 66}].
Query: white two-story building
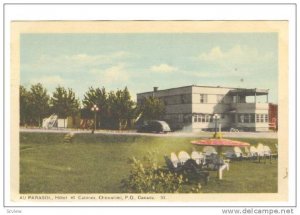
[{"x": 194, "y": 107}]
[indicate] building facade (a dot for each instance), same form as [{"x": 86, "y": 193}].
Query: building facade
[
  {"x": 273, "y": 116},
  {"x": 194, "y": 108}
]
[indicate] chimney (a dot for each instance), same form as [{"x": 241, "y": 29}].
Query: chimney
[{"x": 155, "y": 89}]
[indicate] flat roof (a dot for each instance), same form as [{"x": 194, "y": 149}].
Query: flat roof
[{"x": 233, "y": 89}]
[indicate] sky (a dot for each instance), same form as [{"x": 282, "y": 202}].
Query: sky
[{"x": 141, "y": 61}]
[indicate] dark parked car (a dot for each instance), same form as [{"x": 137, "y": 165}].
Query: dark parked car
[{"x": 152, "y": 126}]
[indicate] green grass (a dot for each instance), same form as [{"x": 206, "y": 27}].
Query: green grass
[{"x": 97, "y": 163}]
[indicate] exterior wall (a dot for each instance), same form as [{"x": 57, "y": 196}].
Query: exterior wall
[
  {"x": 174, "y": 109},
  {"x": 210, "y": 108},
  {"x": 251, "y": 107}
]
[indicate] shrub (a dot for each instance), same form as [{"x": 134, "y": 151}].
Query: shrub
[
  {"x": 68, "y": 138},
  {"x": 148, "y": 177}
]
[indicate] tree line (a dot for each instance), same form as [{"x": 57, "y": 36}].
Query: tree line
[{"x": 117, "y": 110}]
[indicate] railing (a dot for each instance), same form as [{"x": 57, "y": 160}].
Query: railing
[{"x": 250, "y": 106}]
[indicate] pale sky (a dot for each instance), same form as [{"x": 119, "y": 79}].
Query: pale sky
[{"x": 142, "y": 61}]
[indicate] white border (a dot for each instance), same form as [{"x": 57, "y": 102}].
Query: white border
[{"x": 155, "y": 12}]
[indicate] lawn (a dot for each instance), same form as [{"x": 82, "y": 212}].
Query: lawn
[{"x": 97, "y": 163}]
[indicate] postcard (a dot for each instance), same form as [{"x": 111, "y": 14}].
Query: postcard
[{"x": 149, "y": 111}]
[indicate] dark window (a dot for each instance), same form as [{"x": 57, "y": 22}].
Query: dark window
[
  {"x": 203, "y": 98},
  {"x": 241, "y": 118},
  {"x": 266, "y": 118}
]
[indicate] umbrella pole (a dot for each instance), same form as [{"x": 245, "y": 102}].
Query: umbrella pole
[{"x": 219, "y": 151}]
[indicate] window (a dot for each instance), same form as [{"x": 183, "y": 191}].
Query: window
[
  {"x": 211, "y": 119},
  {"x": 252, "y": 118},
  {"x": 199, "y": 118},
  {"x": 257, "y": 118},
  {"x": 203, "y": 118},
  {"x": 241, "y": 118},
  {"x": 203, "y": 98},
  {"x": 207, "y": 118},
  {"x": 247, "y": 118},
  {"x": 261, "y": 117},
  {"x": 195, "y": 118},
  {"x": 266, "y": 118}
]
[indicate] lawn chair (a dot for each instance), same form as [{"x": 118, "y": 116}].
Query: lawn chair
[
  {"x": 174, "y": 159},
  {"x": 193, "y": 169},
  {"x": 263, "y": 152},
  {"x": 247, "y": 151},
  {"x": 172, "y": 167},
  {"x": 267, "y": 153},
  {"x": 260, "y": 150},
  {"x": 198, "y": 157},
  {"x": 267, "y": 150},
  {"x": 238, "y": 152},
  {"x": 253, "y": 153},
  {"x": 183, "y": 156},
  {"x": 189, "y": 167},
  {"x": 208, "y": 150},
  {"x": 234, "y": 153},
  {"x": 214, "y": 162}
]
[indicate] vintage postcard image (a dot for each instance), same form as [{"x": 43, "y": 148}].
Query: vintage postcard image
[{"x": 128, "y": 111}]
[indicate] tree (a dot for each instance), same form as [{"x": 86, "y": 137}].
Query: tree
[
  {"x": 97, "y": 97},
  {"x": 64, "y": 103},
  {"x": 38, "y": 103},
  {"x": 121, "y": 108},
  {"x": 151, "y": 108},
  {"x": 116, "y": 109},
  {"x": 24, "y": 105}
]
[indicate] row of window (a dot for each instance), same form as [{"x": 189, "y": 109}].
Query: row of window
[
  {"x": 203, "y": 118},
  {"x": 204, "y": 99},
  {"x": 262, "y": 118},
  {"x": 206, "y": 117},
  {"x": 241, "y": 118},
  {"x": 252, "y": 118}
]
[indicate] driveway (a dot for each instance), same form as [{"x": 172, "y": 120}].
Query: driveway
[{"x": 171, "y": 134}]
